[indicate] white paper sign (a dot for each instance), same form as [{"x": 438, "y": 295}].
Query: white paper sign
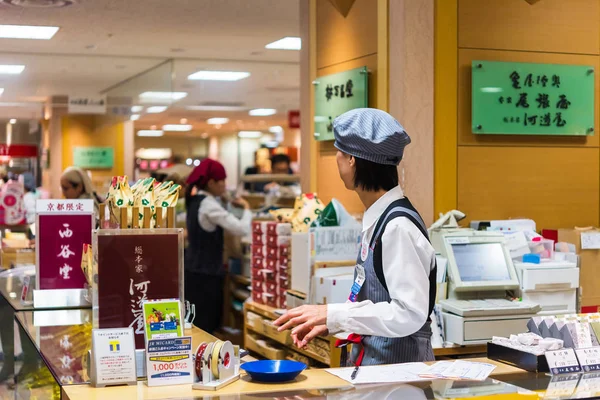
[
  {"x": 169, "y": 361},
  {"x": 113, "y": 353},
  {"x": 60, "y": 206},
  {"x": 562, "y": 361},
  {"x": 589, "y": 359},
  {"x": 590, "y": 240},
  {"x": 457, "y": 240}
]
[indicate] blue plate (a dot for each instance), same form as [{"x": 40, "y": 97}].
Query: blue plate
[{"x": 273, "y": 370}]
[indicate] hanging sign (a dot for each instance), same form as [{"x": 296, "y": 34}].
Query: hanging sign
[
  {"x": 87, "y": 105},
  {"x": 335, "y": 94},
  {"x": 93, "y": 157},
  {"x": 62, "y": 228},
  {"x": 532, "y": 99}
]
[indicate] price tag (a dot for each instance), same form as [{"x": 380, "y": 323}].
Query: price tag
[
  {"x": 169, "y": 361},
  {"x": 25, "y": 290},
  {"x": 589, "y": 358},
  {"x": 562, "y": 361}
]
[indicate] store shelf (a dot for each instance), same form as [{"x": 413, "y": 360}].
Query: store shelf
[{"x": 241, "y": 279}]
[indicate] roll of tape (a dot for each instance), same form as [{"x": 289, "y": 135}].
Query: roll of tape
[
  {"x": 198, "y": 361},
  {"x": 226, "y": 357},
  {"x": 214, "y": 360},
  {"x": 206, "y": 356}
]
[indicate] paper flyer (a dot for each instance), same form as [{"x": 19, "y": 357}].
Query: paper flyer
[{"x": 162, "y": 319}]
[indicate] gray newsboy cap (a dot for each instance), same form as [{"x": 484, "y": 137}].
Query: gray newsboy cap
[{"x": 370, "y": 134}]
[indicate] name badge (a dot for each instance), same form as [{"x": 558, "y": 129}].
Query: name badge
[
  {"x": 364, "y": 249},
  {"x": 562, "y": 361},
  {"x": 358, "y": 282}
]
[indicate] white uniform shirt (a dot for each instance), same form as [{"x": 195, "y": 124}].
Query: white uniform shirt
[
  {"x": 212, "y": 214},
  {"x": 407, "y": 258}
]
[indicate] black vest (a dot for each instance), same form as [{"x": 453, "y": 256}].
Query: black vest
[{"x": 205, "y": 249}]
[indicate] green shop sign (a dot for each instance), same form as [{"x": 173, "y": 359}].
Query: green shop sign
[
  {"x": 532, "y": 99},
  {"x": 335, "y": 94},
  {"x": 93, "y": 157}
]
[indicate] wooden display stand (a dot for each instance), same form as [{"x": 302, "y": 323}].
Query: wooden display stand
[
  {"x": 323, "y": 352},
  {"x": 161, "y": 221}
]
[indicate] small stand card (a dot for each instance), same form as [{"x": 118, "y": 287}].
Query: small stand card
[
  {"x": 562, "y": 361},
  {"x": 589, "y": 359},
  {"x": 113, "y": 357},
  {"x": 169, "y": 361},
  {"x": 162, "y": 319}
]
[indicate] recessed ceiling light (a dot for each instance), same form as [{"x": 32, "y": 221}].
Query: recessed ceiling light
[
  {"x": 137, "y": 109},
  {"x": 287, "y": 43},
  {"x": 13, "y": 121},
  {"x": 27, "y": 32},
  {"x": 188, "y": 161},
  {"x": 161, "y": 97},
  {"x": 196, "y": 163},
  {"x": 217, "y": 121},
  {"x": 218, "y": 76},
  {"x": 134, "y": 117},
  {"x": 215, "y": 108},
  {"x": 262, "y": 112},
  {"x": 11, "y": 69},
  {"x": 177, "y": 128},
  {"x": 156, "y": 109},
  {"x": 275, "y": 129},
  {"x": 249, "y": 134},
  {"x": 150, "y": 133}
]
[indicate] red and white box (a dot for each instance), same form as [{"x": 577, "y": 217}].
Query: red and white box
[
  {"x": 272, "y": 253},
  {"x": 259, "y": 239},
  {"x": 271, "y": 265},
  {"x": 284, "y": 262},
  {"x": 259, "y": 251},
  {"x": 259, "y": 227},
  {"x": 284, "y": 251},
  {"x": 279, "y": 229},
  {"x": 258, "y": 262},
  {"x": 277, "y": 241},
  {"x": 269, "y": 276}
]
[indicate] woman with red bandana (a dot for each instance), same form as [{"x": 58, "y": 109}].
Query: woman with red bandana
[{"x": 206, "y": 222}]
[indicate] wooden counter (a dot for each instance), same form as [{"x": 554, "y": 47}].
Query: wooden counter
[{"x": 311, "y": 379}]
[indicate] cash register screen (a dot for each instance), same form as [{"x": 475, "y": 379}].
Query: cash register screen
[{"x": 481, "y": 262}]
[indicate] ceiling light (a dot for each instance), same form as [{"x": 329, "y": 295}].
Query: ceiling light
[
  {"x": 177, "y": 128},
  {"x": 11, "y": 69},
  {"x": 137, "y": 109},
  {"x": 134, "y": 117},
  {"x": 204, "y": 135},
  {"x": 217, "y": 121},
  {"x": 262, "y": 112},
  {"x": 249, "y": 134},
  {"x": 196, "y": 163},
  {"x": 218, "y": 76},
  {"x": 162, "y": 97},
  {"x": 156, "y": 109},
  {"x": 215, "y": 108},
  {"x": 275, "y": 129},
  {"x": 287, "y": 43},
  {"x": 188, "y": 161},
  {"x": 1, "y": 91},
  {"x": 150, "y": 133},
  {"x": 183, "y": 121},
  {"x": 27, "y": 32},
  {"x": 13, "y": 121}
]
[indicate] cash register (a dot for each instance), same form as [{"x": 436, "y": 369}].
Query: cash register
[{"x": 480, "y": 273}]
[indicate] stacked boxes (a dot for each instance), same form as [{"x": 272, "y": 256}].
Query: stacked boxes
[{"x": 270, "y": 257}]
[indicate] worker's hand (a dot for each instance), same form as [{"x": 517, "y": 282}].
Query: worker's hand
[
  {"x": 302, "y": 318},
  {"x": 241, "y": 202},
  {"x": 301, "y": 338}
]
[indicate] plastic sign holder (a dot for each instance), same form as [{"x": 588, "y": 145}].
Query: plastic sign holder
[
  {"x": 62, "y": 227},
  {"x": 216, "y": 365}
]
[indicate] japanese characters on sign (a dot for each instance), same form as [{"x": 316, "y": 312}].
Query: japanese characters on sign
[
  {"x": 113, "y": 352},
  {"x": 169, "y": 361},
  {"x": 532, "y": 99},
  {"x": 335, "y": 94},
  {"x": 562, "y": 361},
  {"x": 63, "y": 227},
  {"x": 134, "y": 267},
  {"x": 93, "y": 157}
]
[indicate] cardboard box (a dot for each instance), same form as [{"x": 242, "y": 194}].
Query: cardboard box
[{"x": 589, "y": 266}]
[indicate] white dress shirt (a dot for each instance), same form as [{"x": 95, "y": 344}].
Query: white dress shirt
[
  {"x": 212, "y": 214},
  {"x": 407, "y": 258}
]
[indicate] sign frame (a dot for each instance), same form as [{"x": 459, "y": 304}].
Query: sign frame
[
  {"x": 536, "y": 97},
  {"x": 126, "y": 336},
  {"x": 332, "y": 86}
]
